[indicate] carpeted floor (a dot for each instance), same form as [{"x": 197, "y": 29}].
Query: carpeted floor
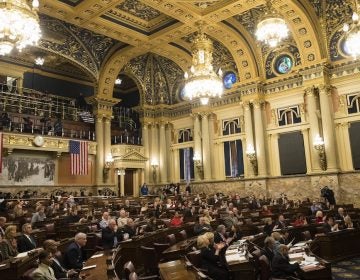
[{"x": 349, "y": 269}]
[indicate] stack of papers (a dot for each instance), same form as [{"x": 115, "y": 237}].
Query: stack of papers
[
  {"x": 235, "y": 258},
  {"x": 296, "y": 256},
  {"x": 97, "y": 256},
  {"x": 300, "y": 244}
]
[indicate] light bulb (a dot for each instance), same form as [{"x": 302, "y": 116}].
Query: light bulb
[{"x": 35, "y": 3}]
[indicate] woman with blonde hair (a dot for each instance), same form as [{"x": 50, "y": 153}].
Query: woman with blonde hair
[
  {"x": 347, "y": 222},
  {"x": 210, "y": 258},
  {"x": 319, "y": 217},
  {"x": 10, "y": 243}
]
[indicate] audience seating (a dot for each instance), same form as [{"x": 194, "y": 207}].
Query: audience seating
[
  {"x": 159, "y": 248},
  {"x": 149, "y": 260},
  {"x": 172, "y": 239}
]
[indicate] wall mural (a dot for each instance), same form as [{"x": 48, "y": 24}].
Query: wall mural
[{"x": 27, "y": 171}]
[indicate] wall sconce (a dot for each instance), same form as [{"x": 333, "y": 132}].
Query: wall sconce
[
  {"x": 319, "y": 145},
  {"x": 109, "y": 162},
  {"x": 154, "y": 165},
  {"x": 121, "y": 172},
  {"x": 198, "y": 164},
  {"x": 251, "y": 155}
]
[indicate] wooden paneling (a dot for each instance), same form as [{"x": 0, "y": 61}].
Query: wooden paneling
[{"x": 65, "y": 178}]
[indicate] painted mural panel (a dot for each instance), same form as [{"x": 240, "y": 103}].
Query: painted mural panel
[{"x": 19, "y": 170}]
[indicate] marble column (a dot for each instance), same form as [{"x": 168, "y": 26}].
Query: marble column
[
  {"x": 260, "y": 139},
  {"x": 249, "y": 139},
  {"x": 154, "y": 152},
  {"x": 162, "y": 155},
  {"x": 99, "y": 132},
  {"x": 206, "y": 151},
  {"x": 307, "y": 148},
  {"x": 275, "y": 156},
  {"x": 197, "y": 142},
  {"x": 328, "y": 127},
  {"x": 122, "y": 185},
  {"x": 168, "y": 155},
  {"x": 314, "y": 129},
  {"x": 176, "y": 161},
  {"x": 344, "y": 146},
  {"x": 145, "y": 143},
  {"x": 212, "y": 154}
]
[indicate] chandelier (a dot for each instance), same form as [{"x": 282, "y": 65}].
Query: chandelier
[
  {"x": 202, "y": 82},
  {"x": 272, "y": 28},
  {"x": 352, "y": 34},
  {"x": 19, "y": 25}
]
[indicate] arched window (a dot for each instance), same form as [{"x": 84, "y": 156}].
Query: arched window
[
  {"x": 185, "y": 135},
  {"x": 231, "y": 127},
  {"x": 288, "y": 116}
]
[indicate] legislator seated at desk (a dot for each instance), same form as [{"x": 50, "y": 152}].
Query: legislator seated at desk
[
  {"x": 44, "y": 271},
  {"x": 110, "y": 235},
  {"x": 330, "y": 225},
  {"x": 73, "y": 257},
  {"x": 201, "y": 227},
  {"x": 59, "y": 270},
  {"x": 26, "y": 242},
  {"x": 9, "y": 243},
  {"x": 210, "y": 255},
  {"x": 281, "y": 266}
]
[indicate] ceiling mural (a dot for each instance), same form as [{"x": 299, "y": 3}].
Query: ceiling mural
[
  {"x": 158, "y": 76},
  {"x": 80, "y": 45}
]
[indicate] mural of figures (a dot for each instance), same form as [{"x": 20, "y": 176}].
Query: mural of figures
[{"x": 27, "y": 171}]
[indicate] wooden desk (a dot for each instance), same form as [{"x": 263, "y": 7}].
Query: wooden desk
[
  {"x": 336, "y": 246},
  {"x": 176, "y": 270},
  {"x": 99, "y": 272},
  {"x": 179, "y": 249},
  {"x": 16, "y": 267}
]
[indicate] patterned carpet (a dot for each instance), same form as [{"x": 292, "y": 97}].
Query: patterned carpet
[{"x": 349, "y": 269}]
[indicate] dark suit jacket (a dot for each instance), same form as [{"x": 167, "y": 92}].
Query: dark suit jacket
[
  {"x": 59, "y": 270},
  {"x": 218, "y": 238},
  {"x": 24, "y": 244},
  {"x": 73, "y": 257},
  {"x": 108, "y": 237},
  {"x": 281, "y": 266},
  {"x": 280, "y": 225}
]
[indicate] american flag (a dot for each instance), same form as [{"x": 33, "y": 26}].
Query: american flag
[
  {"x": 1, "y": 148},
  {"x": 79, "y": 157}
]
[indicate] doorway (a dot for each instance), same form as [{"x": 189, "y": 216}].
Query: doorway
[{"x": 129, "y": 182}]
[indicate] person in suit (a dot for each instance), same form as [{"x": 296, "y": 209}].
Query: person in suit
[
  {"x": 44, "y": 271},
  {"x": 26, "y": 241},
  {"x": 269, "y": 248},
  {"x": 210, "y": 255},
  {"x": 110, "y": 236},
  {"x": 60, "y": 271},
  {"x": 2, "y": 226},
  {"x": 269, "y": 225},
  {"x": 280, "y": 223},
  {"x": 281, "y": 267},
  {"x": 73, "y": 257},
  {"x": 330, "y": 225},
  {"x": 220, "y": 235},
  {"x": 201, "y": 227},
  {"x": 188, "y": 189}
]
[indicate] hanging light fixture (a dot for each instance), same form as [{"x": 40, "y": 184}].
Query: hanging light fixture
[
  {"x": 352, "y": 34},
  {"x": 202, "y": 82},
  {"x": 19, "y": 25},
  {"x": 39, "y": 60},
  {"x": 272, "y": 28}
]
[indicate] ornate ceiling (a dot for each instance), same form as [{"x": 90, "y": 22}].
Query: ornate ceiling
[{"x": 102, "y": 36}]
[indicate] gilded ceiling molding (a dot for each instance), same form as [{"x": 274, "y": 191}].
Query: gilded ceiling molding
[
  {"x": 238, "y": 48},
  {"x": 303, "y": 31}
]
